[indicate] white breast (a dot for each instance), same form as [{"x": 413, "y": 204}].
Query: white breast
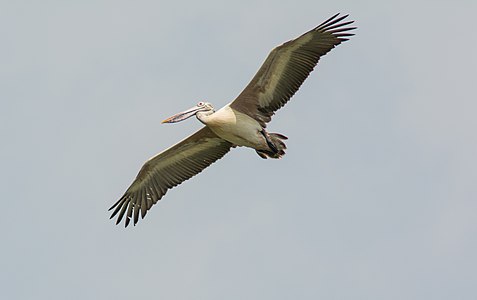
[{"x": 237, "y": 128}]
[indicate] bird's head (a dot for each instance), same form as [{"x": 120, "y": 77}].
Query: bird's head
[{"x": 201, "y": 109}]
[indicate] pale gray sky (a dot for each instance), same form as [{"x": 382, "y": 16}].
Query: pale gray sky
[{"x": 375, "y": 199}]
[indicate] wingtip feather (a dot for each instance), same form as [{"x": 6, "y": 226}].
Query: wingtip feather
[{"x": 333, "y": 23}]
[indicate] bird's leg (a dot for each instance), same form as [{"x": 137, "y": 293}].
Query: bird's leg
[{"x": 269, "y": 141}]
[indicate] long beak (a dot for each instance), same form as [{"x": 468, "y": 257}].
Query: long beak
[{"x": 182, "y": 115}]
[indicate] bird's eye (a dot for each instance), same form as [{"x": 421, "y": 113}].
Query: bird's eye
[{"x": 201, "y": 103}]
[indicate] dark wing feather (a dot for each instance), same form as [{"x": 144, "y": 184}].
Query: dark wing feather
[
  {"x": 168, "y": 169},
  {"x": 287, "y": 67}
]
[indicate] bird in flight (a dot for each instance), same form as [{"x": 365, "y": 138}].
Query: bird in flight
[{"x": 242, "y": 122}]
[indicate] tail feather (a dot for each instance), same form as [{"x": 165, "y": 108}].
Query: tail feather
[
  {"x": 277, "y": 140},
  {"x": 280, "y": 136}
]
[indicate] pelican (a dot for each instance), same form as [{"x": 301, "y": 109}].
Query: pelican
[{"x": 242, "y": 122}]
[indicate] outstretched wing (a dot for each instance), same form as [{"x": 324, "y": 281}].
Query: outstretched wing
[
  {"x": 287, "y": 67},
  {"x": 168, "y": 169}
]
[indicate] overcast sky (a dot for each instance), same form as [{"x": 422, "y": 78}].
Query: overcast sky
[{"x": 376, "y": 197}]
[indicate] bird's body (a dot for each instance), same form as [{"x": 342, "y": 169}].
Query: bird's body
[
  {"x": 242, "y": 122},
  {"x": 236, "y": 127}
]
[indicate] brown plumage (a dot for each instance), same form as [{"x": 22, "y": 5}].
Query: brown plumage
[
  {"x": 168, "y": 169},
  {"x": 287, "y": 67}
]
